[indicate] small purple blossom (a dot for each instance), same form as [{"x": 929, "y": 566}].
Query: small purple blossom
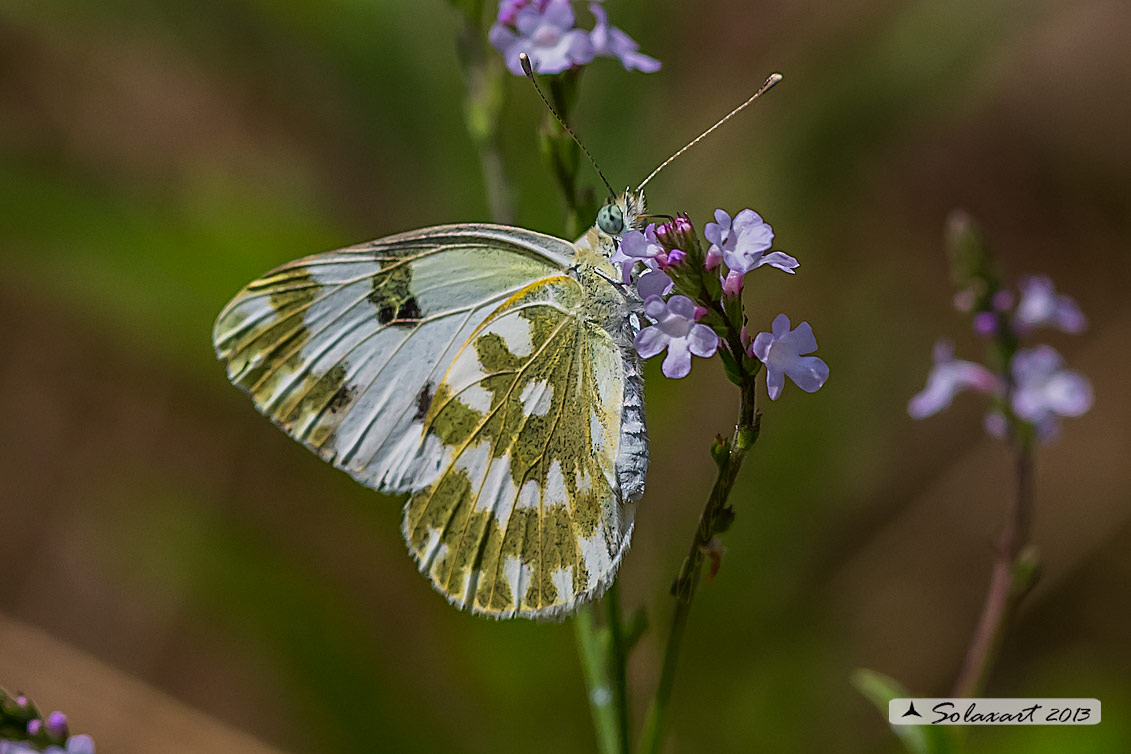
[
  {"x": 545, "y": 32},
  {"x": 57, "y": 725},
  {"x": 743, "y": 242},
  {"x": 985, "y": 323},
  {"x": 732, "y": 283},
  {"x": 1044, "y": 390},
  {"x": 1041, "y": 306},
  {"x": 609, "y": 41},
  {"x": 782, "y": 351},
  {"x": 678, "y": 332},
  {"x": 949, "y": 377},
  {"x": 644, "y": 246}
]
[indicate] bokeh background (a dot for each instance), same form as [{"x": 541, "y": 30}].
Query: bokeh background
[{"x": 180, "y": 576}]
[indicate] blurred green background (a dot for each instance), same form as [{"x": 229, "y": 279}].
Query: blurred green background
[{"x": 155, "y": 156}]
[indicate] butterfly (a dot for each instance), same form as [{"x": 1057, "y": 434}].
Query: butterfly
[{"x": 486, "y": 371}]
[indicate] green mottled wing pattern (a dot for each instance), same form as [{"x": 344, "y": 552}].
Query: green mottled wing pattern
[{"x": 527, "y": 515}]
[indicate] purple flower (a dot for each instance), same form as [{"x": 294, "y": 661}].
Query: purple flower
[
  {"x": 985, "y": 323},
  {"x": 744, "y": 241},
  {"x": 544, "y": 32},
  {"x": 609, "y": 41},
  {"x": 782, "y": 349},
  {"x": 644, "y": 246},
  {"x": 1040, "y": 306},
  {"x": 57, "y": 725},
  {"x": 16, "y": 747},
  {"x": 678, "y": 332},
  {"x": 1044, "y": 390},
  {"x": 80, "y": 744},
  {"x": 949, "y": 377}
]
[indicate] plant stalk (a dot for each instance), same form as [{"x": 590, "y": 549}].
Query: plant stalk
[
  {"x": 483, "y": 77},
  {"x": 1010, "y": 579},
  {"x": 710, "y": 521}
]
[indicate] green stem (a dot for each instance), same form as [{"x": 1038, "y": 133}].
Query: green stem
[
  {"x": 594, "y": 666},
  {"x": 713, "y": 515},
  {"x": 483, "y": 76},
  {"x": 1012, "y": 576},
  {"x": 618, "y": 665}
]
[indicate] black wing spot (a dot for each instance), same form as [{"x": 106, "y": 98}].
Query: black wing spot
[
  {"x": 424, "y": 401},
  {"x": 341, "y": 399}
]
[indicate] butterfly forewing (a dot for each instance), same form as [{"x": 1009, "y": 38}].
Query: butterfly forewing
[
  {"x": 344, "y": 349},
  {"x": 526, "y": 516}
]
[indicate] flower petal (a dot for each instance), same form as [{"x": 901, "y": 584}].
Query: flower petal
[
  {"x": 779, "y": 260},
  {"x": 655, "y": 307},
  {"x": 775, "y": 381},
  {"x": 677, "y": 364},
  {"x": 702, "y": 341},
  {"x": 654, "y": 283},
  {"x": 650, "y": 341},
  {"x": 681, "y": 306},
  {"x": 809, "y": 373},
  {"x": 801, "y": 339},
  {"x": 780, "y": 326}
]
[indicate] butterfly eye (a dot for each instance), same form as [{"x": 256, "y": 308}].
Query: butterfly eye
[{"x": 610, "y": 219}]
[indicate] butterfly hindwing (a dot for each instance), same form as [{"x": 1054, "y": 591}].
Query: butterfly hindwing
[
  {"x": 344, "y": 350},
  {"x": 527, "y": 515}
]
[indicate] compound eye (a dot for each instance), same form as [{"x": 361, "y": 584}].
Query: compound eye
[{"x": 610, "y": 219}]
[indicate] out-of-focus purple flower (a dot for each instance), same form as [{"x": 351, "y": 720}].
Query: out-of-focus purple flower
[
  {"x": 80, "y": 744},
  {"x": 964, "y": 300},
  {"x": 1041, "y": 306},
  {"x": 1003, "y": 300},
  {"x": 782, "y": 351},
  {"x": 508, "y": 9},
  {"x": 609, "y": 41},
  {"x": 678, "y": 332},
  {"x": 1044, "y": 390},
  {"x": 34, "y": 726},
  {"x": 732, "y": 283},
  {"x": 57, "y": 725},
  {"x": 949, "y": 377},
  {"x": 744, "y": 241},
  {"x": 17, "y": 747},
  {"x": 545, "y": 32},
  {"x": 985, "y": 323}
]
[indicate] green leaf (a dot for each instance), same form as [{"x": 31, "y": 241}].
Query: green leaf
[{"x": 879, "y": 689}]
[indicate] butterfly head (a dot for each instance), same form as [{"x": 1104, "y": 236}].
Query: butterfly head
[{"x": 621, "y": 215}]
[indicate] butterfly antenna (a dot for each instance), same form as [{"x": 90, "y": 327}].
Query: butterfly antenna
[
  {"x": 524, "y": 60},
  {"x": 769, "y": 83}
]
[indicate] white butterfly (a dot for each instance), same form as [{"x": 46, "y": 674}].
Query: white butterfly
[{"x": 486, "y": 370}]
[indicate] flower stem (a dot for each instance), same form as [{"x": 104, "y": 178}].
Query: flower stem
[
  {"x": 595, "y": 668},
  {"x": 712, "y": 519},
  {"x": 1013, "y": 575},
  {"x": 483, "y": 77},
  {"x": 618, "y": 665}
]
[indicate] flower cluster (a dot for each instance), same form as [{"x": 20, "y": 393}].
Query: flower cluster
[
  {"x": 24, "y": 731},
  {"x": 1030, "y": 386},
  {"x": 692, "y": 299},
  {"x": 545, "y": 30}
]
